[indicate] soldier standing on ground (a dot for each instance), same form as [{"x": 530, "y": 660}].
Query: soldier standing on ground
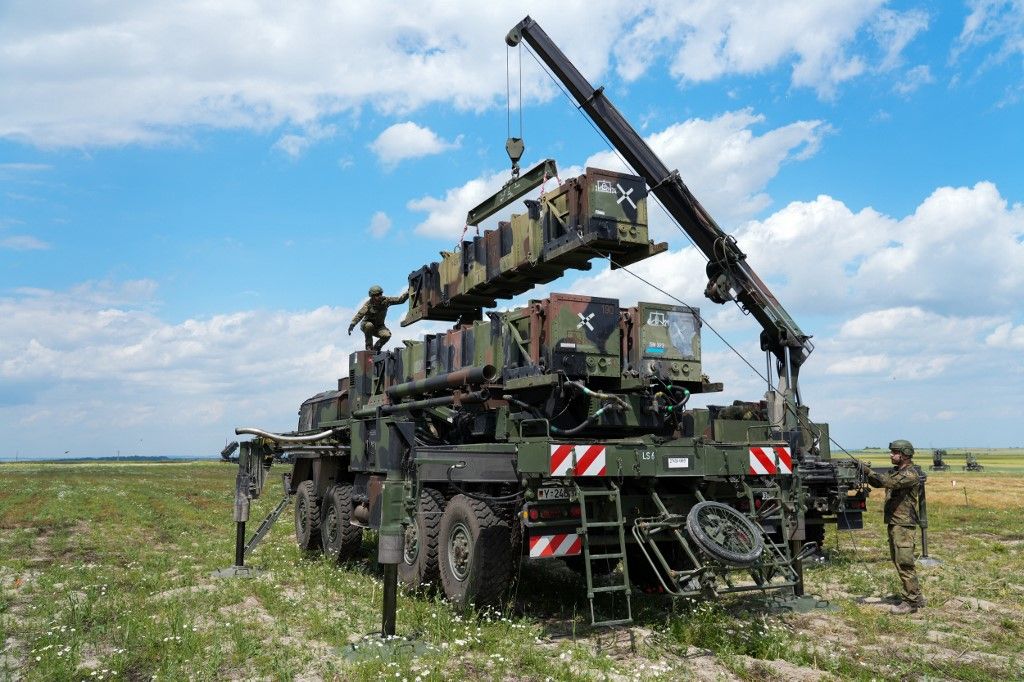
[
  {"x": 372, "y": 314},
  {"x": 902, "y": 487}
]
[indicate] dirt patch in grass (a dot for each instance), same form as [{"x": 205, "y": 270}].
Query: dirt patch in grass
[
  {"x": 40, "y": 554},
  {"x": 175, "y": 592},
  {"x": 780, "y": 670},
  {"x": 315, "y": 647},
  {"x": 704, "y": 666},
  {"x": 251, "y": 609},
  {"x": 959, "y": 604}
]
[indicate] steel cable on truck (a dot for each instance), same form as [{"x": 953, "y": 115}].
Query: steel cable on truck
[{"x": 675, "y": 223}]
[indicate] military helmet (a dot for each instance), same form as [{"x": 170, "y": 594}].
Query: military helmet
[
  {"x": 376, "y": 290},
  {"x": 902, "y": 446}
]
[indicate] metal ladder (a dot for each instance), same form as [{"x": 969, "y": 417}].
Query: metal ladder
[{"x": 604, "y": 526}]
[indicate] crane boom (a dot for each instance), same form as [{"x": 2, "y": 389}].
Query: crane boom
[{"x": 730, "y": 276}]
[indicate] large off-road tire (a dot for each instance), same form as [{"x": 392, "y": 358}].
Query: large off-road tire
[
  {"x": 474, "y": 552},
  {"x": 307, "y": 518},
  {"x": 341, "y": 540},
  {"x": 418, "y": 568},
  {"x": 724, "y": 533}
]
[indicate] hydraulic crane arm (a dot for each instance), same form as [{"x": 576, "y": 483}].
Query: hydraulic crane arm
[{"x": 731, "y": 278}]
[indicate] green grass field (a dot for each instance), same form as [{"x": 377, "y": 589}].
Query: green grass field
[
  {"x": 105, "y": 574},
  {"x": 995, "y": 460}
]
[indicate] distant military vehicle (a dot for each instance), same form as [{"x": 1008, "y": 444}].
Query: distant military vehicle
[
  {"x": 972, "y": 462},
  {"x": 561, "y": 429},
  {"x": 939, "y": 461}
]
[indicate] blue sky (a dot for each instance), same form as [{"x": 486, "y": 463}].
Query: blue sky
[{"x": 193, "y": 200}]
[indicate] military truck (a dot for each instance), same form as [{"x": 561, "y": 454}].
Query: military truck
[
  {"x": 972, "y": 463},
  {"x": 561, "y": 428},
  {"x": 939, "y": 461}
]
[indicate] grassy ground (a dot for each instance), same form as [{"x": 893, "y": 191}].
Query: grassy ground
[
  {"x": 995, "y": 460},
  {"x": 105, "y": 574}
]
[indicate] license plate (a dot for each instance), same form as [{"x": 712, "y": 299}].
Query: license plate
[
  {"x": 678, "y": 462},
  {"x": 552, "y": 493}
]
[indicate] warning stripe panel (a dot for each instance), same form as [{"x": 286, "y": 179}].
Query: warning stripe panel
[
  {"x": 765, "y": 461},
  {"x": 760, "y": 462},
  {"x": 578, "y": 460},
  {"x": 560, "y": 459},
  {"x": 785, "y": 461},
  {"x": 561, "y": 544}
]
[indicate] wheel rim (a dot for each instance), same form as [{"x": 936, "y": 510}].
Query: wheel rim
[
  {"x": 331, "y": 527},
  {"x": 412, "y": 544},
  {"x": 460, "y": 545},
  {"x": 726, "y": 531}
]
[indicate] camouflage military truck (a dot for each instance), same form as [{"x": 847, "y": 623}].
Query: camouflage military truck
[
  {"x": 561, "y": 428},
  {"x": 972, "y": 463},
  {"x": 939, "y": 461}
]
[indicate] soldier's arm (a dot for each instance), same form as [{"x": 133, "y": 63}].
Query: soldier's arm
[
  {"x": 875, "y": 479},
  {"x": 392, "y": 300},
  {"x": 359, "y": 314},
  {"x": 901, "y": 480}
]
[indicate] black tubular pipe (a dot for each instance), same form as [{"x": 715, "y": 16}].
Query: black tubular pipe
[
  {"x": 466, "y": 398},
  {"x": 460, "y": 377},
  {"x": 798, "y": 568},
  {"x": 387, "y": 628},
  {"x": 922, "y": 518},
  {"x": 239, "y": 544}
]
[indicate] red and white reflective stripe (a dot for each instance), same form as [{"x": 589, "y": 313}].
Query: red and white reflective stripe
[
  {"x": 563, "y": 544},
  {"x": 582, "y": 460},
  {"x": 775, "y": 460}
]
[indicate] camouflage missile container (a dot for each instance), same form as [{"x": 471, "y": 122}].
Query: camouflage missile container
[{"x": 556, "y": 430}]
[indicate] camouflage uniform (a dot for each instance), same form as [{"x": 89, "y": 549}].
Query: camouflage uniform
[
  {"x": 372, "y": 314},
  {"x": 902, "y": 488}
]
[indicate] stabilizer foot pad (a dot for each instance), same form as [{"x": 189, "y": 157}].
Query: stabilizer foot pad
[{"x": 237, "y": 572}]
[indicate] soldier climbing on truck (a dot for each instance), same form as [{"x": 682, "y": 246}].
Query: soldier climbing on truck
[{"x": 373, "y": 314}]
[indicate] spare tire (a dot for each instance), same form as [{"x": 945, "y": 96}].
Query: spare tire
[{"x": 724, "y": 533}]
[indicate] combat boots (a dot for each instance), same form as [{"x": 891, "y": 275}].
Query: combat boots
[{"x": 908, "y": 607}]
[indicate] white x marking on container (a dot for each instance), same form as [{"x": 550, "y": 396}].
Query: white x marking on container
[
  {"x": 625, "y": 195},
  {"x": 585, "y": 321}
]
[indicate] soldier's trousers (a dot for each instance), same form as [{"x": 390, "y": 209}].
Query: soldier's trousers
[
  {"x": 371, "y": 330},
  {"x": 901, "y": 548}
]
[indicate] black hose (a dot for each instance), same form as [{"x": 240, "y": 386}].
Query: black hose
[{"x": 476, "y": 496}]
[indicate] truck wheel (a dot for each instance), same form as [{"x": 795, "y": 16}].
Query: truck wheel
[
  {"x": 418, "y": 567},
  {"x": 725, "y": 533},
  {"x": 307, "y": 518},
  {"x": 474, "y": 553},
  {"x": 340, "y": 538}
]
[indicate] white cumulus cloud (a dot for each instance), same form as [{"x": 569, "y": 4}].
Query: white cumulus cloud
[
  {"x": 74, "y": 362},
  {"x": 380, "y": 224},
  {"x": 408, "y": 141},
  {"x": 709, "y": 39},
  {"x": 725, "y": 161},
  {"x": 446, "y": 216},
  {"x": 1007, "y": 335},
  {"x": 122, "y": 72}
]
